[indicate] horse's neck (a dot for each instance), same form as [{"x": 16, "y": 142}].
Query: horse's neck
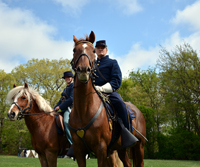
[
  {"x": 85, "y": 97},
  {"x": 35, "y": 122}
]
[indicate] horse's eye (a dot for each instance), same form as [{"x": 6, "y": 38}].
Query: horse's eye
[
  {"x": 24, "y": 98},
  {"x": 93, "y": 51},
  {"x": 74, "y": 50}
]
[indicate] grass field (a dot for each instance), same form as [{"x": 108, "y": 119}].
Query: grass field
[{"x": 14, "y": 161}]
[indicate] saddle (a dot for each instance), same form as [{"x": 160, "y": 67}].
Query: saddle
[
  {"x": 117, "y": 127},
  {"x": 59, "y": 123},
  {"x": 110, "y": 110}
]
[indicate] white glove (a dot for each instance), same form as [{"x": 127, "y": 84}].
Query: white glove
[{"x": 107, "y": 88}]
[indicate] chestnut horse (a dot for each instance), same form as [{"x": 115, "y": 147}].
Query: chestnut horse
[
  {"x": 89, "y": 125},
  {"x": 39, "y": 119}
]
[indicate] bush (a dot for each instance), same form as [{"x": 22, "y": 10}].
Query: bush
[{"x": 179, "y": 144}]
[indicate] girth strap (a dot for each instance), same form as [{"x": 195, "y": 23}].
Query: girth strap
[{"x": 81, "y": 131}]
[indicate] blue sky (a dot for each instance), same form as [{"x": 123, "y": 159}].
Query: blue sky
[{"x": 133, "y": 29}]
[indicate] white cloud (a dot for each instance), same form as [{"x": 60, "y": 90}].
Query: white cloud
[
  {"x": 136, "y": 58},
  {"x": 23, "y": 37},
  {"x": 190, "y": 15},
  {"x": 72, "y": 6},
  {"x": 139, "y": 57},
  {"x": 129, "y": 6}
]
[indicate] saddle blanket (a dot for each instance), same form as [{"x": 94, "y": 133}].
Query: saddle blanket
[
  {"x": 131, "y": 115},
  {"x": 59, "y": 130}
]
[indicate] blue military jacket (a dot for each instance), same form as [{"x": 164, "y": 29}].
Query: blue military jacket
[
  {"x": 66, "y": 99},
  {"x": 111, "y": 72}
]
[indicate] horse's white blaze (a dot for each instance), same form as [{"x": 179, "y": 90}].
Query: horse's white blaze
[
  {"x": 84, "y": 46},
  {"x": 10, "y": 108},
  {"x": 15, "y": 100}
]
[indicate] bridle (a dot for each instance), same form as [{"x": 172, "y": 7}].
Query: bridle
[
  {"x": 92, "y": 67},
  {"x": 22, "y": 111}
]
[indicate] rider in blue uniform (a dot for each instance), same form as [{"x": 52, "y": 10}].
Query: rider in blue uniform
[
  {"x": 65, "y": 102},
  {"x": 109, "y": 82}
]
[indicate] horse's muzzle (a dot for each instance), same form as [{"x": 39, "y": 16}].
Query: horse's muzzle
[
  {"x": 83, "y": 73},
  {"x": 12, "y": 115}
]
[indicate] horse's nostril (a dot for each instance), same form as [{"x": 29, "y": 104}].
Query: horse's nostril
[
  {"x": 79, "y": 69},
  {"x": 12, "y": 114},
  {"x": 88, "y": 69}
]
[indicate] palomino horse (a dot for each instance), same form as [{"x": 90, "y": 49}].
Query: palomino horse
[
  {"x": 89, "y": 125},
  {"x": 39, "y": 119}
]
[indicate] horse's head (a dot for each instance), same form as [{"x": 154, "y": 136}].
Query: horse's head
[
  {"x": 21, "y": 101},
  {"x": 84, "y": 57}
]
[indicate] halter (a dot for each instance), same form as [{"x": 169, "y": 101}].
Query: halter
[
  {"x": 22, "y": 111},
  {"x": 74, "y": 65},
  {"x": 92, "y": 74}
]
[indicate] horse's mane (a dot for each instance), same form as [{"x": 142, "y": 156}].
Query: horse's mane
[
  {"x": 84, "y": 39},
  {"x": 20, "y": 90}
]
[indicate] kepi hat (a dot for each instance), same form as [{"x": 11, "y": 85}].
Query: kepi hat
[
  {"x": 101, "y": 43},
  {"x": 67, "y": 74}
]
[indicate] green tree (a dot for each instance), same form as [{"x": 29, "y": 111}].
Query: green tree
[
  {"x": 130, "y": 91},
  {"x": 147, "y": 93},
  {"x": 44, "y": 75},
  {"x": 15, "y": 134},
  {"x": 180, "y": 71},
  {"x": 6, "y": 82},
  {"x": 150, "y": 85}
]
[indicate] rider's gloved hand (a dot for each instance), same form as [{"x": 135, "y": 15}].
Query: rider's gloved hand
[{"x": 107, "y": 88}]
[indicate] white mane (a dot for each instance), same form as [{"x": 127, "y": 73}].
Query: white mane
[{"x": 40, "y": 101}]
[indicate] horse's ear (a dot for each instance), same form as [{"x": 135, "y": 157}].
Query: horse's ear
[
  {"x": 14, "y": 86},
  {"x": 75, "y": 39},
  {"x": 92, "y": 37},
  {"x": 25, "y": 85}
]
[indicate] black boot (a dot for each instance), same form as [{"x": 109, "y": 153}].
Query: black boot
[
  {"x": 127, "y": 138},
  {"x": 70, "y": 153}
]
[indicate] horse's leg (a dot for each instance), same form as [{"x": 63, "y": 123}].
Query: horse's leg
[
  {"x": 51, "y": 158},
  {"x": 138, "y": 155},
  {"x": 124, "y": 158},
  {"x": 102, "y": 159},
  {"x": 43, "y": 160},
  {"x": 79, "y": 154},
  {"x": 114, "y": 160},
  {"x": 141, "y": 154},
  {"x": 118, "y": 161}
]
